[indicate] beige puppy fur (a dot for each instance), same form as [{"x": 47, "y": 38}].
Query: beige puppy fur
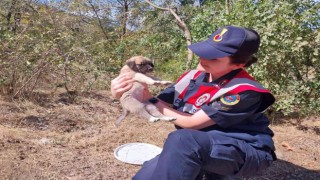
[{"x": 132, "y": 100}]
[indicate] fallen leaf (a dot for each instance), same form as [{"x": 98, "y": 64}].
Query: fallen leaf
[{"x": 287, "y": 146}]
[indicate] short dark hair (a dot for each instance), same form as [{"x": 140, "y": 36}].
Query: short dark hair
[{"x": 243, "y": 59}]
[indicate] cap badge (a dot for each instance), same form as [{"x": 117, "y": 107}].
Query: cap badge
[
  {"x": 230, "y": 99},
  {"x": 218, "y": 37}
]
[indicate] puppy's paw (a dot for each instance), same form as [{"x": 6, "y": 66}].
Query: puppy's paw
[
  {"x": 154, "y": 119},
  {"x": 163, "y": 82},
  {"x": 166, "y": 82},
  {"x": 168, "y": 118}
]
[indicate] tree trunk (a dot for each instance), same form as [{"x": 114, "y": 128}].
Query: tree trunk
[
  {"x": 228, "y": 7},
  {"x": 125, "y": 19}
]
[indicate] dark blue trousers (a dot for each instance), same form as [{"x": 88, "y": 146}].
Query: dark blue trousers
[{"x": 187, "y": 152}]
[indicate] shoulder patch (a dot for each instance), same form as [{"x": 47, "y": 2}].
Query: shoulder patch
[{"x": 230, "y": 99}]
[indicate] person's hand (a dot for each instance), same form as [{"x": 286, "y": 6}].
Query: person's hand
[{"x": 121, "y": 84}]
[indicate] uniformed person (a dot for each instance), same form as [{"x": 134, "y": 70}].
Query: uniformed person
[{"x": 221, "y": 127}]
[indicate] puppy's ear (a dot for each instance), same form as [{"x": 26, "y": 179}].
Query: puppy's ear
[{"x": 132, "y": 65}]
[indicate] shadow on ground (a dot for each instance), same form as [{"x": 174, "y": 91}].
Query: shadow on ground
[{"x": 283, "y": 170}]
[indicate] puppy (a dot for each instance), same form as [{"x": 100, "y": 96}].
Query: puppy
[{"x": 132, "y": 100}]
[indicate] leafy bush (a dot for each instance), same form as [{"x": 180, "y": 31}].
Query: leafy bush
[
  {"x": 72, "y": 46},
  {"x": 289, "y": 54}
]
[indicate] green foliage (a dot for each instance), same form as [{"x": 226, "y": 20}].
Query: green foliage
[
  {"x": 80, "y": 47},
  {"x": 289, "y": 53},
  {"x": 48, "y": 49},
  {"x": 173, "y": 69}
]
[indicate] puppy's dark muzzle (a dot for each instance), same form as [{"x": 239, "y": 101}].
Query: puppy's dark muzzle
[
  {"x": 145, "y": 68},
  {"x": 150, "y": 69}
]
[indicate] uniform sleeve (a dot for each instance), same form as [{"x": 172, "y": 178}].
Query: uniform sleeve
[
  {"x": 231, "y": 110},
  {"x": 167, "y": 95}
]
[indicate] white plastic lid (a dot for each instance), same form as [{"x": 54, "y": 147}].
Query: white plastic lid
[{"x": 136, "y": 153}]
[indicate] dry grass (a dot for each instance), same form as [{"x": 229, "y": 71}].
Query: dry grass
[{"x": 73, "y": 137}]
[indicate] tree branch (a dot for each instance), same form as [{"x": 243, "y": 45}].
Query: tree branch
[
  {"x": 158, "y": 7},
  {"x": 182, "y": 26}
]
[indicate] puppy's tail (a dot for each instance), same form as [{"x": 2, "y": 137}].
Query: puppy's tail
[{"x": 120, "y": 118}]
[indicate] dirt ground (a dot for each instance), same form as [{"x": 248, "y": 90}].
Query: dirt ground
[{"x": 73, "y": 137}]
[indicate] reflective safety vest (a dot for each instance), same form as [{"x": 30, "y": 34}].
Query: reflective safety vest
[{"x": 204, "y": 94}]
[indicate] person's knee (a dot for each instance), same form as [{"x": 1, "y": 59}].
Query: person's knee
[
  {"x": 189, "y": 139},
  {"x": 180, "y": 136}
]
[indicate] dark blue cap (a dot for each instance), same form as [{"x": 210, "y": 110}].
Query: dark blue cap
[{"x": 228, "y": 41}]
